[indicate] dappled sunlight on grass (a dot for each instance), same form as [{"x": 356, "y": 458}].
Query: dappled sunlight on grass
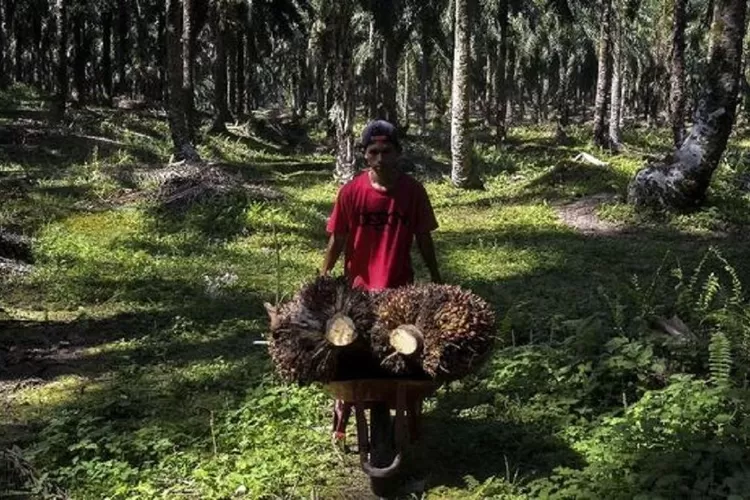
[
  {"x": 495, "y": 263},
  {"x": 496, "y": 217},
  {"x": 32, "y": 403}
]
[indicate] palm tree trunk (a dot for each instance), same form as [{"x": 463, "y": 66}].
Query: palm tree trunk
[
  {"x": 218, "y": 28},
  {"x": 544, "y": 95},
  {"x": 3, "y": 49},
  {"x": 318, "y": 49},
  {"x": 107, "y": 56},
  {"x": 187, "y": 66},
  {"x": 503, "y": 75},
  {"x": 603, "y": 77},
  {"x": 385, "y": 14},
  {"x": 232, "y": 71},
  {"x": 161, "y": 37},
  {"x": 79, "y": 63},
  {"x": 489, "y": 78},
  {"x": 389, "y": 81},
  {"x": 240, "y": 82},
  {"x": 303, "y": 86},
  {"x": 18, "y": 51},
  {"x": 122, "y": 48},
  {"x": 683, "y": 179},
  {"x": 677, "y": 78},
  {"x": 342, "y": 111},
  {"x": 615, "y": 101},
  {"x": 424, "y": 78},
  {"x": 439, "y": 98},
  {"x": 565, "y": 75},
  {"x": 44, "y": 66},
  {"x": 9, "y": 41},
  {"x": 143, "y": 82},
  {"x": 463, "y": 172},
  {"x": 330, "y": 72},
  {"x": 373, "y": 95},
  {"x": 624, "y": 89},
  {"x": 178, "y": 119},
  {"x": 405, "y": 95},
  {"x": 252, "y": 96},
  {"x": 320, "y": 90},
  {"x": 61, "y": 26},
  {"x": 37, "y": 57},
  {"x": 510, "y": 90}
]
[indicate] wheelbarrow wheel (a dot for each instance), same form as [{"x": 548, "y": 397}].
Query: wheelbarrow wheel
[{"x": 383, "y": 448}]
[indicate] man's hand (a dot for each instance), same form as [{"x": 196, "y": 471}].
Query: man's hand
[{"x": 336, "y": 244}]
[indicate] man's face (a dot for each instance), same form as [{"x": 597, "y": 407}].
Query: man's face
[{"x": 381, "y": 156}]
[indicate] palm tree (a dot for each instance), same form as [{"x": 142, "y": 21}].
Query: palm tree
[
  {"x": 683, "y": 178},
  {"x": 4, "y": 80},
  {"x": 604, "y": 75},
  {"x": 677, "y": 80},
  {"x": 617, "y": 18},
  {"x": 107, "y": 20},
  {"x": 219, "y": 31},
  {"x": 463, "y": 174},
  {"x": 433, "y": 49},
  {"x": 394, "y": 21},
  {"x": 501, "y": 80},
  {"x": 179, "y": 82},
  {"x": 567, "y": 39},
  {"x": 61, "y": 27},
  {"x": 338, "y": 17}
]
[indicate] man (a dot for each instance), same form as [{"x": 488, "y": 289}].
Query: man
[
  {"x": 375, "y": 219},
  {"x": 377, "y": 216}
]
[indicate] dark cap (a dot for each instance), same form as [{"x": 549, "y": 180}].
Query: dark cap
[{"x": 380, "y": 130}]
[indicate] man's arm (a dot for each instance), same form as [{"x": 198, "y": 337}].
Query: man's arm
[
  {"x": 336, "y": 244},
  {"x": 427, "y": 250}
]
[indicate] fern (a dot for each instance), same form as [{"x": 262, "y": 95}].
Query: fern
[
  {"x": 720, "y": 359},
  {"x": 736, "y": 297},
  {"x": 709, "y": 291},
  {"x": 616, "y": 309},
  {"x": 686, "y": 298},
  {"x": 645, "y": 298}
]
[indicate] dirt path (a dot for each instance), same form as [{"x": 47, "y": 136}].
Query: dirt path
[{"x": 581, "y": 215}]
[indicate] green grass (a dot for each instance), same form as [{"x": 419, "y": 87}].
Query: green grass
[{"x": 158, "y": 391}]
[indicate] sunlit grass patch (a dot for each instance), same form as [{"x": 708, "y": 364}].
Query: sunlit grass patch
[{"x": 32, "y": 403}]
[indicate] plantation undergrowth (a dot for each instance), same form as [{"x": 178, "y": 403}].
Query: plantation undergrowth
[{"x": 129, "y": 368}]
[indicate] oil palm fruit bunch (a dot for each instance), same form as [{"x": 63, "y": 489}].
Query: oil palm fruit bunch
[
  {"x": 462, "y": 334},
  {"x": 441, "y": 331},
  {"x": 397, "y": 339},
  {"x": 322, "y": 333}
]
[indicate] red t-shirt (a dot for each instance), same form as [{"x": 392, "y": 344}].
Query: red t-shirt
[{"x": 381, "y": 227}]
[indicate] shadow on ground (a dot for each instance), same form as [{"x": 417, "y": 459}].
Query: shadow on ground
[
  {"x": 482, "y": 448},
  {"x": 40, "y": 148},
  {"x": 560, "y": 272},
  {"x": 45, "y": 350}
]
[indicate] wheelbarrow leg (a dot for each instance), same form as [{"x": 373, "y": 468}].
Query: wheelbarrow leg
[
  {"x": 401, "y": 418},
  {"x": 363, "y": 434},
  {"x": 415, "y": 420}
]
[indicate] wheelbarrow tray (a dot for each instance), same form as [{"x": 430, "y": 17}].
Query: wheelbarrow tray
[{"x": 381, "y": 390}]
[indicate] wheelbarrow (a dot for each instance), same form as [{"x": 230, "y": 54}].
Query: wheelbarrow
[{"x": 381, "y": 443}]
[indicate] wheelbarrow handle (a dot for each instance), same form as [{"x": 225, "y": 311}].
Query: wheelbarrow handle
[{"x": 363, "y": 442}]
